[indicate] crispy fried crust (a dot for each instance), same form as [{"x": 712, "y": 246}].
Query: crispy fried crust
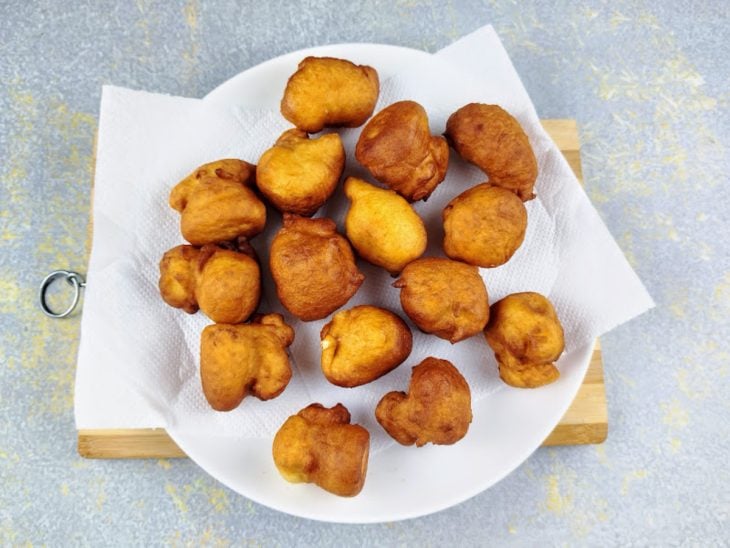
[
  {"x": 484, "y": 226},
  {"x": 330, "y": 92},
  {"x": 493, "y": 140},
  {"x": 298, "y": 174},
  {"x": 224, "y": 283},
  {"x": 245, "y": 359},
  {"x": 444, "y": 297},
  {"x": 525, "y": 333},
  {"x": 362, "y": 344},
  {"x": 228, "y": 285},
  {"x": 320, "y": 446},
  {"x": 217, "y": 204},
  {"x": 313, "y": 267},
  {"x": 436, "y": 409},
  {"x": 397, "y": 148},
  {"x": 382, "y": 226},
  {"x": 178, "y": 276}
]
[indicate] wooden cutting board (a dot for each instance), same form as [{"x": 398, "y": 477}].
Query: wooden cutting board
[{"x": 585, "y": 422}]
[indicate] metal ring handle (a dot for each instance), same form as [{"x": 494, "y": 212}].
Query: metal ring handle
[{"x": 73, "y": 278}]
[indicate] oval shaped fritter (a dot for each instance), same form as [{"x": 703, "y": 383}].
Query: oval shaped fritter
[
  {"x": 362, "y": 344},
  {"x": 320, "y": 446},
  {"x": 313, "y": 267},
  {"x": 492, "y": 139},
  {"x": 299, "y": 174},
  {"x": 526, "y": 335},
  {"x": 444, "y": 297},
  {"x": 397, "y": 148},
  {"x": 484, "y": 226},
  {"x": 330, "y": 92},
  {"x": 382, "y": 226},
  {"x": 436, "y": 409}
]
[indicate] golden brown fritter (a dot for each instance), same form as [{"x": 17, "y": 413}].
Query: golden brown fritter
[
  {"x": 320, "y": 446},
  {"x": 484, "y": 226},
  {"x": 525, "y": 333},
  {"x": 217, "y": 204},
  {"x": 298, "y": 174},
  {"x": 397, "y": 148},
  {"x": 493, "y": 140},
  {"x": 444, "y": 297},
  {"x": 330, "y": 92},
  {"x": 224, "y": 283},
  {"x": 362, "y": 344},
  {"x": 436, "y": 409},
  {"x": 245, "y": 359},
  {"x": 178, "y": 276},
  {"x": 382, "y": 226},
  {"x": 313, "y": 267},
  {"x": 228, "y": 285}
]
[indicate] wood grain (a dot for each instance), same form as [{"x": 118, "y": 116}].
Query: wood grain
[{"x": 585, "y": 421}]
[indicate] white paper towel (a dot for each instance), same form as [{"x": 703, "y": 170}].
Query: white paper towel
[{"x": 148, "y": 142}]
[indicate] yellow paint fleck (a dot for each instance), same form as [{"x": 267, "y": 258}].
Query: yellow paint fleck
[
  {"x": 630, "y": 478},
  {"x": 164, "y": 464},
  {"x": 171, "y": 490},
  {"x": 512, "y": 529},
  {"x": 218, "y": 499},
  {"x": 191, "y": 14},
  {"x": 64, "y": 489},
  {"x": 601, "y": 454},
  {"x": 556, "y": 501},
  {"x": 676, "y": 445},
  {"x": 675, "y": 415},
  {"x": 10, "y": 292}
]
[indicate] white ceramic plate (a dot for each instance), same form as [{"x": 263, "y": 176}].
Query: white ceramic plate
[{"x": 402, "y": 482}]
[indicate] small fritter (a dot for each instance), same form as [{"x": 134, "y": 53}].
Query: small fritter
[
  {"x": 298, "y": 174},
  {"x": 397, "y": 148},
  {"x": 313, "y": 267},
  {"x": 217, "y": 204},
  {"x": 493, "y": 140},
  {"x": 330, "y": 92},
  {"x": 178, "y": 277},
  {"x": 444, "y": 297},
  {"x": 436, "y": 409},
  {"x": 484, "y": 226},
  {"x": 224, "y": 283},
  {"x": 320, "y": 446},
  {"x": 246, "y": 359},
  {"x": 228, "y": 285},
  {"x": 382, "y": 226},
  {"x": 525, "y": 333},
  {"x": 362, "y": 344}
]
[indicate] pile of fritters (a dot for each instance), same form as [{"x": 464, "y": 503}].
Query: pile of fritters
[{"x": 223, "y": 204}]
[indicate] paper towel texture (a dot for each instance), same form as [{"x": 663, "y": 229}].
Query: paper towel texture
[{"x": 148, "y": 142}]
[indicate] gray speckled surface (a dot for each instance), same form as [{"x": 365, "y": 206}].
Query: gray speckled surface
[{"x": 648, "y": 86}]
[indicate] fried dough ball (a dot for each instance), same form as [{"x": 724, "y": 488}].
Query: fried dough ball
[
  {"x": 320, "y": 446},
  {"x": 382, "y": 226},
  {"x": 225, "y": 284},
  {"x": 178, "y": 277},
  {"x": 484, "y": 226},
  {"x": 493, "y": 140},
  {"x": 313, "y": 267},
  {"x": 298, "y": 174},
  {"x": 330, "y": 92},
  {"x": 362, "y": 344},
  {"x": 228, "y": 287},
  {"x": 436, "y": 409},
  {"x": 525, "y": 333},
  {"x": 444, "y": 297},
  {"x": 217, "y": 204},
  {"x": 397, "y": 148},
  {"x": 245, "y": 359}
]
